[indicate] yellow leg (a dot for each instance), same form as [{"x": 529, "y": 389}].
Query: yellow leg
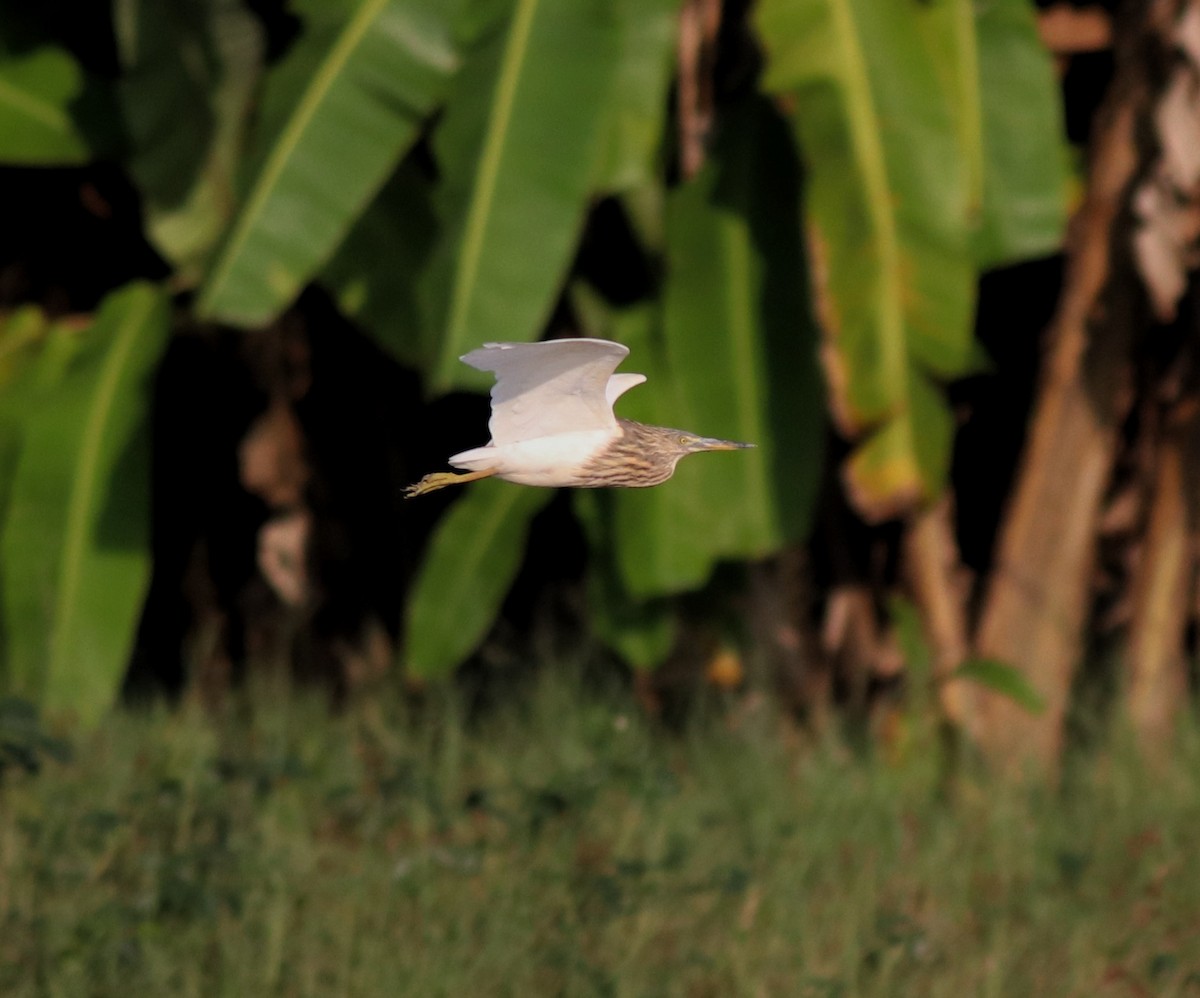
[{"x": 440, "y": 479}]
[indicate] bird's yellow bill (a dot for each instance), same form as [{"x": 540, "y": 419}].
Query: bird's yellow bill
[{"x": 712, "y": 443}]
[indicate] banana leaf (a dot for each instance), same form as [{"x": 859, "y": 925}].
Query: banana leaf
[
  {"x": 1025, "y": 174},
  {"x": 883, "y": 101},
  {"x": 190, "y": 72},
  {"x": 339, "y": 114},
  {"x": 37, "y": 90},
  {"x": 518, "y": 150},
  {"x": 731, "y": 353},
  {"x": 466, "y": 572},
  {"x": 74, "y": 559}
]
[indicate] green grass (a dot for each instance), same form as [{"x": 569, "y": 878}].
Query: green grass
[{"x": 571, "y": 847}]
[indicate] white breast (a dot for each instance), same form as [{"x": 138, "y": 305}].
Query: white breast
[{"x": 552, "y": 461}]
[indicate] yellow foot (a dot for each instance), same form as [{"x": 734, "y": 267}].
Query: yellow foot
[{"x": 440, "y": 479}]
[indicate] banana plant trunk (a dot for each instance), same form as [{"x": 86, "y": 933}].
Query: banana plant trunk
[
  {"x": 1037, "y": 599},
  {"x": 1164, "y": 589}
]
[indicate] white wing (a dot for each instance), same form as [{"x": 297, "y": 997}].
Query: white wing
[
  {"x": 557, "y": 386},
  {"x": 619, "y": 384}
]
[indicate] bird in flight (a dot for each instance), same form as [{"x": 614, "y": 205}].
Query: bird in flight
[{"x": 553, "y": 424}]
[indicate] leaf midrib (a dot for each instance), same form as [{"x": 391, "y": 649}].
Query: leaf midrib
[
  {"x": 866, "y": 129},
  {"x": 327, "y": 75},
  {"x": 486, "y": 175},
  {"x": 43, "y": 112},
  {"x": 83, "y": 496}
]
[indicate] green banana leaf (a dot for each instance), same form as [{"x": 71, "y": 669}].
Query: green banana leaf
[
  {"x": 379, "y": 272},
  {"x": 657, "y": 538},
  {"x": 1025, "y": 174},
  {"x": 74, "y": 558},
  {"x": 884, "y": 106},
  {"x": 731, "y": 354},
  {"x": 518, "y": 150},
  {"x": 637, "y": 116},
  {"x": 740, "y": 336},
  {"x": 642, "y": 632},
  {"x": 339, "y": 114},
  {"x": 22, "y": 335},
  {"x": 190, "y": 72},
  {"x": 374, "y": 274},
  {"x": 1002, "y": 678},
  {"x": 36, "y": 93},
  {"x": 467, "y": 570}
]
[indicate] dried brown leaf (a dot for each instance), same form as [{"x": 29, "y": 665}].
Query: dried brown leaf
[
  {"x": 282, "y": 556},
  {"x": 271, "y": 457},
  {"x": 699, "y": 22},
  {"x": 1066, "y": 30}
]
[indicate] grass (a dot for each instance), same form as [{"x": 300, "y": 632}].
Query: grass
[{"x": 570, "y": 847}]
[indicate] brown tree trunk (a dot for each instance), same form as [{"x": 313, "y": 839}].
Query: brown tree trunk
[
  {"x": 1037, "y": 598},
  {"x": 1163, "y": 587}
]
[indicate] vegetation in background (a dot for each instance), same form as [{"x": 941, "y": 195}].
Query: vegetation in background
[
  {"x": 248, "y": 242},
  {"x": 567, "y": 844},
  {"x": 804, "y": 196}
]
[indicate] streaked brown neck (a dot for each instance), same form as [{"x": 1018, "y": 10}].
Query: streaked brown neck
[{"x": 638, "y": 458}]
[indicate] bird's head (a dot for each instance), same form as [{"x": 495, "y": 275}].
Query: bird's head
[
  {"x": 690, "y": 443},
  {"x": 677, "y": 444},
  {"x": 685, "y": 443}
]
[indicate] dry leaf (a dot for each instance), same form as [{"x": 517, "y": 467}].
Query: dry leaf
[
  {"x": 1066, "y": 30},
  {"x": 282, "y": 556},
  {"x": 271, "y": 457}
]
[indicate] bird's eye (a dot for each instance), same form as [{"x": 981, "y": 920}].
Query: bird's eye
[{"x": 685, "y": 440}]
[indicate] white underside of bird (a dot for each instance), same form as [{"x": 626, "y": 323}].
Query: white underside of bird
[
  {"x": 554, "y": 461},
  {"x": 552, "y": 408}
]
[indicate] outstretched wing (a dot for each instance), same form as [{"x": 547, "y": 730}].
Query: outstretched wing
[
  {"x": 557, "y": 386},
  {"x": 619, "y": 384}
]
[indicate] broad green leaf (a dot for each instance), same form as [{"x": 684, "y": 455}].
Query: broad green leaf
[
  {"x": 36, "y": 92},
  {"x": 734, "y": 357},
  {"x": 190, "y": 70},
  {"x": 73, "y": 543},
  {"x": 350, "y": 116},
  {"x": 1002, "y": 678},
  {"x": 874, "y": 89},
  {"x": 644, "y": 208},
  {"x": 518, "y": 151},
  {"x": 740, "y": 337},
  {"x": 918, "y": 438},
  {"x": 467, "y": 570},
  {"x": 637, "y": 115},
  {"x": 374, "y": 272},
  {"x": 642, "y": 632},
  {"x": 1025, "y": 154},
  {"x": 660, "y": 535},
  {"x": 22, "y": 336}
]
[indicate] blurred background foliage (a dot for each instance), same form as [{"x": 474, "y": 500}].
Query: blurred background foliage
[{"x": 252, "y": 237}]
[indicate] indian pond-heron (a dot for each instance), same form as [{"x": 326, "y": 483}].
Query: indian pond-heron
[{"x": 553, "y": 425}]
